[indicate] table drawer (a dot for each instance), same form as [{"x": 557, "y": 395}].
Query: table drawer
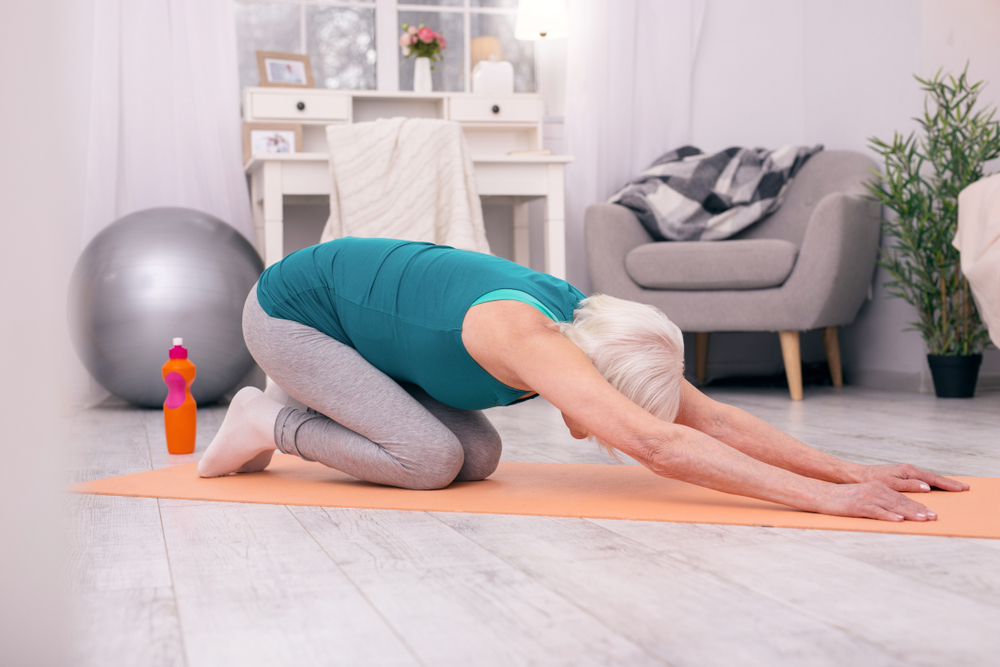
[
  {"x": 495, "y": 108},
  {"x": 316, "y": 105}
]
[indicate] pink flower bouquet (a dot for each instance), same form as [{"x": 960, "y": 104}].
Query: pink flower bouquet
[{"x": 422, "y": 42}]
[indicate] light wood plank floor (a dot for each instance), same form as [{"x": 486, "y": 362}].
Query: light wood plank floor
[{"x": 160, "y": 582}]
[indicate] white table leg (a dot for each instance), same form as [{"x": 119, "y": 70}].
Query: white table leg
[
  {"x": 257, "y": 211},
  {"x": 272, "y": 216},
  {"x": 555, "y": 223},
  {"x": 522, "y": 236},
  {"x": 274, "y": 222}
]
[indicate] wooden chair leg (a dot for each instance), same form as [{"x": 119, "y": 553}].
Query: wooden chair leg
[
  {"x": 701, "y": 355},
  {"x": 832, "y": 346},
  {"x": 793, "y": 362}
]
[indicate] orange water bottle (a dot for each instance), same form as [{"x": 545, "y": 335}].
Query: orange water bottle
[{"x": 180, "y": 412}]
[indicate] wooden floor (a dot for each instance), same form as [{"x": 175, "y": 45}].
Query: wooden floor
[{"x": 163, "y": 582}]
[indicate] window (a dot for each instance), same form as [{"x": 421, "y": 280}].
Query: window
[
  {"x": 350, "y": 49},
  {"x": 338, "y": 36}
]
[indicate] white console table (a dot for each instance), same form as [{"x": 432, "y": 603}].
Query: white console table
[{"x": 493, "y": 126}]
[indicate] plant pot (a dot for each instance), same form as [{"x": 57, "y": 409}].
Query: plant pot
[
  {"x": 422, "y": 76},
  {"x": 955, "y": 376}
]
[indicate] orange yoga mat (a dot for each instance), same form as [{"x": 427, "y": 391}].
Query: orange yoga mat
[{"x": 549, "y": 489}]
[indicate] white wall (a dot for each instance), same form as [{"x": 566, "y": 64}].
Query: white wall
[
  {"x": 748, "y": 78},
  {"x": 834, "y": 72}
]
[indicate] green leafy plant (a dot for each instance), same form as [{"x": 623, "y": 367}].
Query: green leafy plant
[{"x": 923, "y": 176}]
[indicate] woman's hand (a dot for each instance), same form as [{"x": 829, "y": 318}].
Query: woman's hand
[
  {"x": 909, "y": 479},
  {"x": 872, "y": 500}
]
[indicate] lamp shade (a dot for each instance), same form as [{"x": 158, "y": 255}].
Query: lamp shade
[{"x": 541, "y": 19}]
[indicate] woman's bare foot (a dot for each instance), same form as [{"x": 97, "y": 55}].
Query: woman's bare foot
[{"x": 245, "y": 441}]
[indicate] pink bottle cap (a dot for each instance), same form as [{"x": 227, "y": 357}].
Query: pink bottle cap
[{"x": 178, "y": 351}]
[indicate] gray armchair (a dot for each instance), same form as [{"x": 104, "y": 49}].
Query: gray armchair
[{"x": 807, "y": 266}]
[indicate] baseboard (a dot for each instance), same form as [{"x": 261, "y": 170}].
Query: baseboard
[
  {"x": 915, "y": 383},
  {"x": 989, "y": 382}
]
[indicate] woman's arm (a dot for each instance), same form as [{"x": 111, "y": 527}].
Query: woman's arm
[
  {"x": 520, "y": 350},
  {"x": 755, "y": 437},
  {"x": 764, "y": 442}
]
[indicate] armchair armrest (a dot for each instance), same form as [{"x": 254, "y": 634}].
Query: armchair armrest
[
  {"x": 836, "y": 261},
  {"x": 610, "y": 233}
]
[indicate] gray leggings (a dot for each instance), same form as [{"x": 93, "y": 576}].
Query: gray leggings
[{"x": 363, "y": 422}]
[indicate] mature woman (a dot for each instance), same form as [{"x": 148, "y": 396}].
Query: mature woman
[{"x": 396, "y": 347}]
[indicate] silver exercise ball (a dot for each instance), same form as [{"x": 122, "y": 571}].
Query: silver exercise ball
[{"x": 150, "y": 277}]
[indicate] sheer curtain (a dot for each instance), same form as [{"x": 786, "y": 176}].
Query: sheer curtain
[
  {"x": 164, "y": 112},
  {"x": 628, "y": 98}
]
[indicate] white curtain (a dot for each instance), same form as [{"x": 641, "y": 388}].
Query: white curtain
[
  {"x": 164, "y": 112},
  {"x": 628, "y": 98},
  {"x": 164, "y": 124}
]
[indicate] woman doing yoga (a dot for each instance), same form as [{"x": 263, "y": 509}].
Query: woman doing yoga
[{"x": 387, "y": 351}]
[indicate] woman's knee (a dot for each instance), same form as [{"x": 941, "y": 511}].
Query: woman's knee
[
  {"x": 482, "y": 455},
  {"x": 436, "y": 464}
]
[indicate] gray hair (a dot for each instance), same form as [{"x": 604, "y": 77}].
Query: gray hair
[{"x": 637, "y": 349}]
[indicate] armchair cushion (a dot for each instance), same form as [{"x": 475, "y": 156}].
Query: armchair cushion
[{"x": 711, "y": 265}]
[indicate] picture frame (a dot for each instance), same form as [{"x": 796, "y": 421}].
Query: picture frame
[
  {"x": 284, "y": 70},
  {"x": 263, "y": 138}
]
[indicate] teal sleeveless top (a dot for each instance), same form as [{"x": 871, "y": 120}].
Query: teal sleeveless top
[{"x": 401, "y": 304}]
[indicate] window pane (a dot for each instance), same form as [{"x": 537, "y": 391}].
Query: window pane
[
  {"x": 447, "y": 74},
  {"x": 510, "y": 4},
  {"x": 520, "y": 53},
  {"x": 264, "y": 27},
  {"x": 341, "y": 45},
  {"x": 439, "y": 3}
]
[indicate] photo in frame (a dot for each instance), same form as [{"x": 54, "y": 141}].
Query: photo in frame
[
  {"x": 266, "y": 138},
  {"x": 284, "y": 70}
]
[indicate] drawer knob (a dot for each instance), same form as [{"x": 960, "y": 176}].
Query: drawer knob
[
  {"x": 496, "y": 108},
  {"x": 301, "y": 106}
]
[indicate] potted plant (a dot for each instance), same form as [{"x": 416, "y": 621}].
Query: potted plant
[
  {"x": 426, "y": 45},
  {"x": 923, "y": 176}
]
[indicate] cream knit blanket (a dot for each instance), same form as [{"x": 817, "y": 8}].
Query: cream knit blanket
[
  {"x": 404, "y": 178},
  {"x": 978, "y": 241}
]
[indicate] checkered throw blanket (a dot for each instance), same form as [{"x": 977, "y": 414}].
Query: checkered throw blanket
[{"x": 687, "y": 195}]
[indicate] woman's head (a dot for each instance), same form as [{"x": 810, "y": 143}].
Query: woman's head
[{"x": 635, "y": 347}]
